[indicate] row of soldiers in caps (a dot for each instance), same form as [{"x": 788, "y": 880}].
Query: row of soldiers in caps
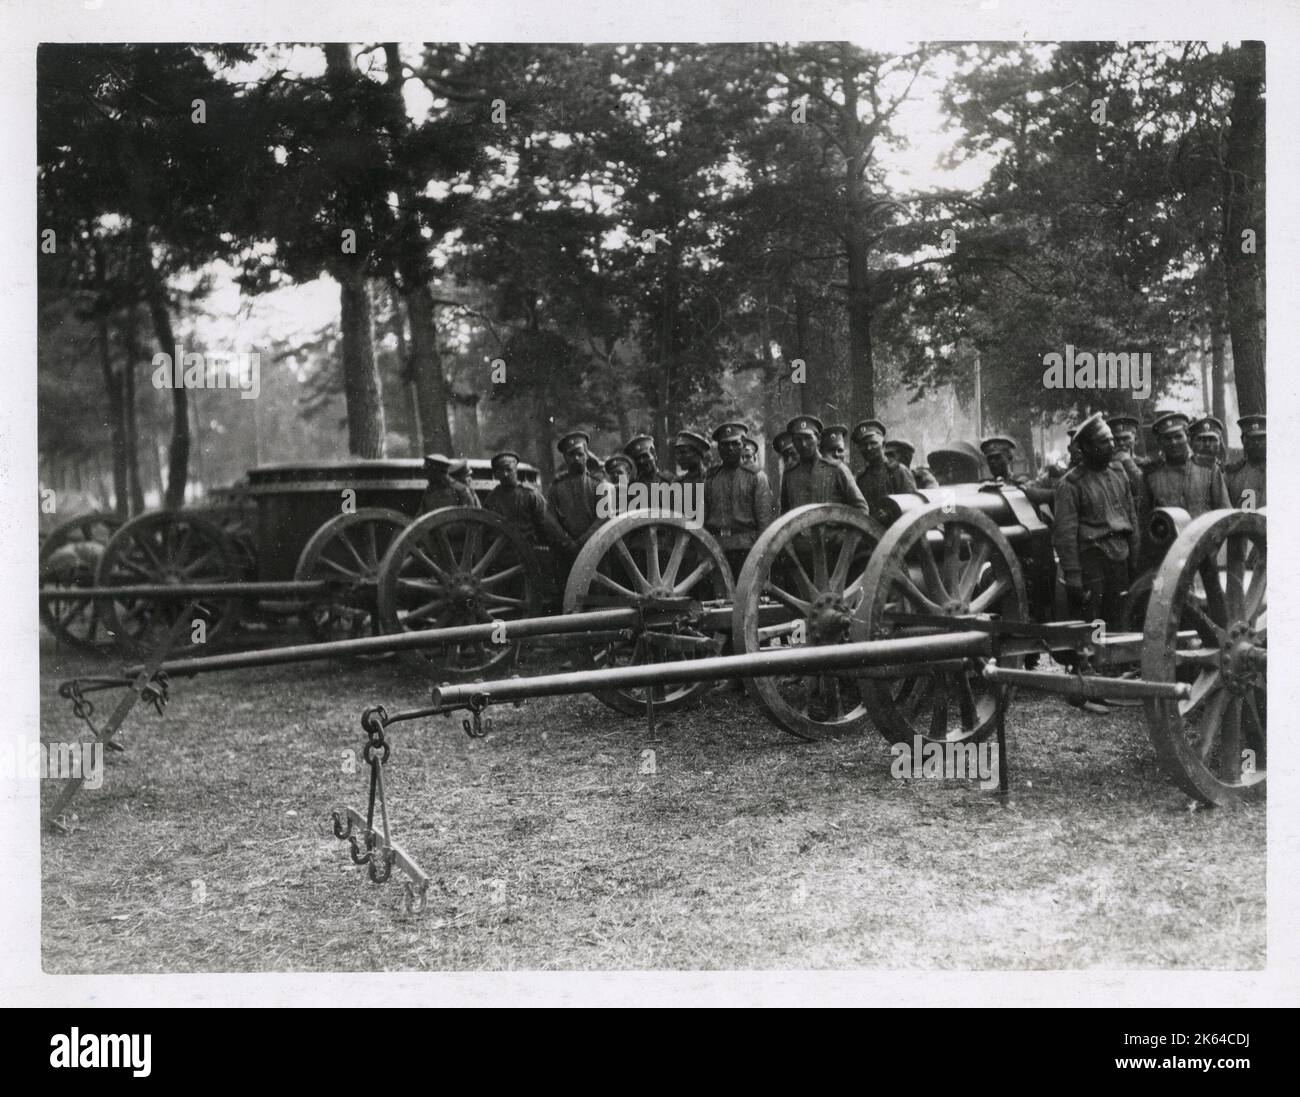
[
  {"x": 1101, "y": 502},
  {"x": 739, "y": 501}
]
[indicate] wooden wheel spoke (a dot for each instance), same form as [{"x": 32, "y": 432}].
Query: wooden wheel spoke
[
  {"x": 346, "y": 541},
  {"x": 992, "y": 596},
  {"x": 444, "y": 543},
  {"x": 1258, "y": 732},
  {"x": 844, "y": 561},
  {"x": 190, "y": 568},
  {"x": 1253, "y": 602},
  {"x": 471, "y": 545},
  {"x": 939, "y": 708},
  {"x": 805, "y": 584},
  {"x": 652, "y": 557},
  {"x": 347, "y": 573},
  {"x": 429, "y": 608},
  {"x": 1230, "y": 750},
  {"x": 501, "y": 576},
  {"x": 966, "y": 701},
  {"x": 820, "y": 571},
  {"x": 1210, "y": 630},
  {"x": 500, "y": 599},
  {"x": 676, "y": 556},
  {"x": 930, "y": 570},
  {"x": 480, "y": 565},
  {"x": 1207, "y": 685},
  {"x": 147, "y": 549},
  {"x": 912, "y": 591},
  {"x": 786, "y": 598},
  {"x": 614, "y": 585},
  {"x": 970, "y": 576},
  {"x": 699, "y": 572},
  {"x": 951, "y": 556},
  {"x": 633, "y": 571},
  {"x": 1210, "y": 723}
]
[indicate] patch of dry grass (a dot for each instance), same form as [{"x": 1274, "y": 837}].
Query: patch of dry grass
[{"x": 550, "y": 850}]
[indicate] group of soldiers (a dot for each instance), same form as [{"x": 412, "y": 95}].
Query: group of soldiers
[
  {"x": 739, "y": 500},
  {"x": 1099, "y": 502}
]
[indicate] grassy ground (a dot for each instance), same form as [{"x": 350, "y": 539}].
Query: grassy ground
[{"x": 549, "y": 849}]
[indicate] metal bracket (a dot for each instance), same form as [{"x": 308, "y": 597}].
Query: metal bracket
[
  {"x": 477, "y": 726},
  {"x": 381, "y": 857}
]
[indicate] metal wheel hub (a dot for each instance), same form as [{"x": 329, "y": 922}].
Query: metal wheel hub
[
  {"x": 1239, "y": 660},
  {"x": 829, "y": 617}
]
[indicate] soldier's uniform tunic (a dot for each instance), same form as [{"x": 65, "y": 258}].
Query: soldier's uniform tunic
[
  {"x": 525, "y": 509},
  {"x": 455, "y": 494},
  {"x": 1195, "y": 488},
  {"x": 737, "y": 508},
  {"x": 1245, "y": 477},
  {"x": 886, "y": 478},
  {"x": 820, "y": 481},
  {"x": 1096, "y": 535},
  {"x": 572, "y": 499}
]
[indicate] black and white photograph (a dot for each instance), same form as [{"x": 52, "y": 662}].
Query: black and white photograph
[{"x": 755, "y": 502}]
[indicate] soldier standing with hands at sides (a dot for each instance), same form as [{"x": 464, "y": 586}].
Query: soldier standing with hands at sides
[
  {"x": 1207, "y": 441},
  {"x": 815, "y": 479},
  {"x": 737, "y": 498},
  {"x": 901, "y": 452},
  {"x": 574, "y": 492},
  {"x": 879, "y": 478},
  {"x": 523, "y": 506},
  {"x": 1246, "y": 481},
  {"x": 642, "y": 451},
  {"x": 690, "y": 451},
  {"x": 1096, "y": 532},
  {"x": 443, "y": 491}
]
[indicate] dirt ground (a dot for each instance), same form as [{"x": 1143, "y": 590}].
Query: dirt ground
[{"x": 208, "y": 848}]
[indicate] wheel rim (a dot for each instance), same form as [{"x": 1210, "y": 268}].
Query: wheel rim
[
  {"x": 69, "y": 559},
  {"x": 172, "y": 548},
  {"x": 348, "y": 550},
  {"x": 1213, "y": 746},
  {"x": 805, "y": 577},
  {"x": 460, "y": 566},
  {"x": 941, "y": 562},
  {"x": 647, "y": 554}
]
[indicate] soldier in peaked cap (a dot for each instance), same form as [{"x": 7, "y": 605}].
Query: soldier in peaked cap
[
  {"x": 596, "y": 466},
  {"x": 815, "y": 479},
  {"x": 998, "y": 450},
  {"x": 787, "y": 458},
  {"x": 901, "y": 452},
  {"x": 1206, "y": 435},
  {"x": 1246, "y": 479},
  {"x": 442, "y": 490},
  {"x": 574, "y": 492},
  {"x": 618, "y": 467},
  {"x": 642, "y": 451},
  {"x": 879, "y": 479},
  {"x": 1178, "y": 481},
  {"x": 749, "y": 453},
  {"x": 690, "y": 451},
  {"x": 1096, "y": 532},
  {"x": 523, "y": 506},
  {"x": 834, "y": 443},
  {"x": 737, "y": 498}
]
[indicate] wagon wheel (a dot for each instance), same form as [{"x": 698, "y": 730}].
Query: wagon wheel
[
  {"x": 942, "y": 563},
  {"x": 69, "y": 558},
  {"x": 460, "y": 566},
  {"x": 654, "y": 554},
  {"x": 347, "y": 551},
  {"x": 170, "y": 547},
  {"x": 1213, "y": 745},
  {"x": 811, "y": 562}
]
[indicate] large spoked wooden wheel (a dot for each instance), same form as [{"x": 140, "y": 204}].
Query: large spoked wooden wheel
[
  {"x": 802, "y": 583},
  {"x": 941, "y": 563},
  {"x": 172, "y": 548},
  {"x": 460, "y": 566},
  {"x": 346, "y": 552},
  {"x": 69, "y": 559},
  {"x": 639, "y": 556},
  {"x": 1213, "y": 745}
]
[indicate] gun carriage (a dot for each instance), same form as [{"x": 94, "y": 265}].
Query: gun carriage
[{"x": 921, "y": 628}]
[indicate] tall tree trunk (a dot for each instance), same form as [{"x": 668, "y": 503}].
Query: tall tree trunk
[
  {"x": 801, "y": 349},
  {"x": 362, "y": 388},
  {"x": 862, "y": 369},
  {"x": 361, "y": 385},
  {"x": 130, "y": 421},
  {"x": 1218, "y": 372},
  {"x": 1243, "y": 208},
  {"x": 178, "y": 452},
  {"x": 112, "y": 386},
  {"x": 425, "y": 361},
  {"x": 664, "y": 420}
]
